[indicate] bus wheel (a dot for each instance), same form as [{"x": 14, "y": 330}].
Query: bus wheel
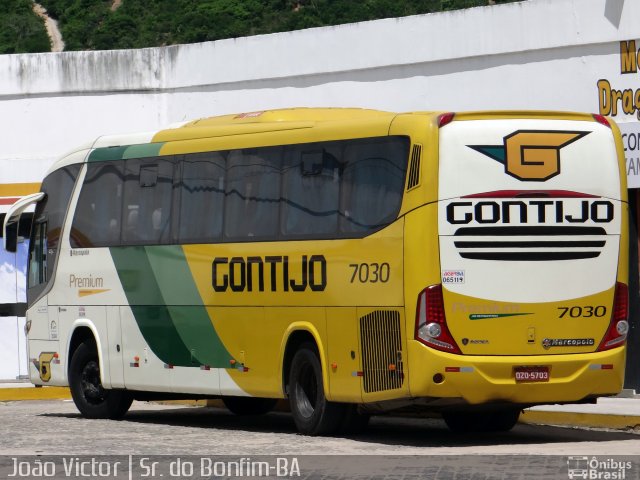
[
  {"x": 497, "y": 421},
  {"x": 249, "y": 405},
  {"x": 312, "y": 413},
  {"x": 90, "y": 397}
]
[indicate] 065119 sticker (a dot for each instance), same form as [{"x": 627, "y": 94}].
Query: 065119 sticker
[{"x": 452, "y": 276}]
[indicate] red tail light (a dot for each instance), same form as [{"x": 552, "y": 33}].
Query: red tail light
[
  {"x": 601, "y": 119},
  {"x": 619, "y": 326},
  {"x": 431, "y": 322},
  {"x": 445, "y": 119}
]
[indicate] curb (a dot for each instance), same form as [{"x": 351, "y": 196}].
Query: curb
[
  {"x": 33, "y": 393},
  {"x": 574, "y": 419}
]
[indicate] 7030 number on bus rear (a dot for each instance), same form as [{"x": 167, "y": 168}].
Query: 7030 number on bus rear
[{"x": 586, "y": 311}]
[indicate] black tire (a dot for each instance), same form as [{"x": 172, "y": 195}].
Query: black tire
[
  {"x": 495, "y": 421},
  {"x": 312, "y": 413},
  {"x": 90, "y": 397},
  {"x": 249, "y": 405}
]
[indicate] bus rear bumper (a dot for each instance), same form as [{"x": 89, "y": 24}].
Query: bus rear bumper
[{"x": 480, "y": 380}]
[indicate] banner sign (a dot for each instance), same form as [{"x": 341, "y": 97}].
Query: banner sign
[{"x": 631, "y": 142}]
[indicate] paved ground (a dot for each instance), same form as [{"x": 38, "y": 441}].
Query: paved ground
[
  {"x": 33, "y": 432},
  {"x": 54, "y": 427},
  {"x": 608, "y": 413}
]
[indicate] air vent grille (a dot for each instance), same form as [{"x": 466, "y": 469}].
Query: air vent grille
[
  {"x": 381, "y": 346},
  {"x": 413, "y": 179}
]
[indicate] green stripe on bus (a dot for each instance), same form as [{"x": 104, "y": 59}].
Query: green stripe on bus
[
  {"x": 142, "y": 150},
  {"x": 158, "y": 330},
  {"x": 148, "y": 306},
  {"x": 106, "y": 153},
  {"x": 189, "y": 315}
]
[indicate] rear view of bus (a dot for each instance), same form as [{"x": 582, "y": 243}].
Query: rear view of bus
[{"x": 532, "y": 305}]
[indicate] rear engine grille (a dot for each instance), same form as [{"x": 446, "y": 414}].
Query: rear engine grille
[
  {"x": 530, "y": 244},
  {"x": 381, "y": 346}
]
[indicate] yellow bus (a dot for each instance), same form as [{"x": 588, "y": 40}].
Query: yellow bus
[{"x": 351, "y": 261}]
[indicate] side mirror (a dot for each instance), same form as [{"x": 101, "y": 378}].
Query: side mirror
[{"x": 12, "y": 220}]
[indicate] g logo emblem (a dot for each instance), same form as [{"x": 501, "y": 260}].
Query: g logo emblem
[{"x": 531, "y": 155}]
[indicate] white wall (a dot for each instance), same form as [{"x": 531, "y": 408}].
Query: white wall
[
  {"x": 546, "y": 54},
  {"x": 537, "y": 54}
]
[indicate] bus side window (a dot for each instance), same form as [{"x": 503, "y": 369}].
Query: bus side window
[
  {"x": 311, "y": 192},
  {"x": 148, "y": 191},
  {"x": 98, "y": 212},
  {"x": 373, "y": 183},
  {"x": 252, "y": 193},
  {"x": 202, "y": 198}
]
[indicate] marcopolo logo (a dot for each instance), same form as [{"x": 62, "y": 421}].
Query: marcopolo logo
[
  {"x": 531, "y": 155},
  {"x": 547, "y": 343}
]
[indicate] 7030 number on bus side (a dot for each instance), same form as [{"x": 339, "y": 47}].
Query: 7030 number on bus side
[{"x": 370, "y": 272}]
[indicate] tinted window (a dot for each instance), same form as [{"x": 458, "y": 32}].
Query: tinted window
[
  {"x": 311, "y": 180},
  {"x": 335, "y": 189},
  {"x": 38, "y": 255},
  {"x": 146, "y": 211},
  {"x": 98, "y": 215},
  {"x": 47, "y": 223},
  {"x": 202, "y": 198},
  {"x": 373, "y": 183},
  {"x": 58, "y": 187},
  {"x": 252, "y": 194}
]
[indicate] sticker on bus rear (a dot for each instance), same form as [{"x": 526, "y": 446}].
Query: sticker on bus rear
[{"x": 452, "y": 276}]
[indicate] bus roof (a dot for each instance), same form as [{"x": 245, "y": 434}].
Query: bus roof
[
  {"x": 291, "y": 115},
  {"x": 148, "y": 144}
]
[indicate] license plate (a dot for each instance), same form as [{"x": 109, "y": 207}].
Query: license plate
[{"x": 531, "y": 374}]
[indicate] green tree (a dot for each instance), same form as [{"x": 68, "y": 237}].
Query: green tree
[
  {"x": 78, "y": 20},
  {"x": 21, "y": 30},
  {"x": 117, "y": 31},
  {"x": 90, "y": 24}
]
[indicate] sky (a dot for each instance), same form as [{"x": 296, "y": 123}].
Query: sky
[{"x": 13, "y": 277}]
